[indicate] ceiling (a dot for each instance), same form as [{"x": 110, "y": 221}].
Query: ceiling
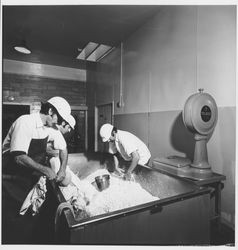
[{"x": 55, "y": 34}]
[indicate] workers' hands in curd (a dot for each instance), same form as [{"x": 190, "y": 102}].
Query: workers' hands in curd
[
  {"x": 119, "y": 171},
  {"x": 127, "y": 176}
]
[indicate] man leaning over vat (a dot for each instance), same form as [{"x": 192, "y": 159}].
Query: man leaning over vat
[
  {"x": 23, "y": 161},
  {"x": 126, "y": 145}
]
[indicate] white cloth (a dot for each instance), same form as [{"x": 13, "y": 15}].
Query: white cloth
[
  {"x": 126, "y": 143},
  {"x": 56, "y": 138},
  {"x": 35, "y": 197}
]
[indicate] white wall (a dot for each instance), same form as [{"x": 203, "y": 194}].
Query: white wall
[
  {"x": 165, "y": 56},
  {"x": 216, "y": 52},
  {"x": 181, "y": 49}
]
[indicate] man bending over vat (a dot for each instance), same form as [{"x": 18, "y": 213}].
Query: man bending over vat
[
  {"x": 24, "y": 160},
  {"x": 126, "y": 145}
]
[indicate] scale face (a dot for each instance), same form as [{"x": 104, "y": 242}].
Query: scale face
[
  {"x": 206, "y": 113},
  {"x": 200, "y": 113},
  {"x": 200, "y": 117}
]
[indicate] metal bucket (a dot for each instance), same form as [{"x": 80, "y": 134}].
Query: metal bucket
[{"x": 102, "y": 182}]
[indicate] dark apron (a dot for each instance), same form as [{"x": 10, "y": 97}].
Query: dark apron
[{"x": 17, "y": 181}]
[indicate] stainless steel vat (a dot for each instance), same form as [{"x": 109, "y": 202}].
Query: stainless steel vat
[{"x": 180, "y": 217}]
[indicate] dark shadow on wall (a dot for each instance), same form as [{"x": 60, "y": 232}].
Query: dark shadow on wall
[{"x": 181, "y": 139}]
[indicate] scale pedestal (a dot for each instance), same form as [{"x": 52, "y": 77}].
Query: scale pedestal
[{"x": 199, "y": 169}]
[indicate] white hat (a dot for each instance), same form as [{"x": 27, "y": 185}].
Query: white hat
[
  {"x": 106, "y": 131},
  {"x": 71, "y": 121},
  {"x": 62, "y": 106}
]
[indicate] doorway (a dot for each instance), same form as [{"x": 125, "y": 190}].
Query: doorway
[
  {"x": 78, "y": 142},
  {"x": 103, "y": 114}
]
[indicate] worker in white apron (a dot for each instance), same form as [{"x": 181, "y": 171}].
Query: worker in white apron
[
  {"x": 127, "y": 145},
  {"x": 23, "y": 162}
]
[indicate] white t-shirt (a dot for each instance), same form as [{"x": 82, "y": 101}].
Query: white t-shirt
[
  {"x": 126, "y": 143},
  {"x": 57, "y": 139},
  {"x": 26, "y": 128}
]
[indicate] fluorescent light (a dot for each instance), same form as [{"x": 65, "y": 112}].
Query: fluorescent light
[
  {"x": 94, "y": 52},
  {"x": 90, "y": 47},
  {"x": 99, "y": 52}
]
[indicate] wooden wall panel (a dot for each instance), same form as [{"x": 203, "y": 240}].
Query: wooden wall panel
[{"x": 27, "y": 89}]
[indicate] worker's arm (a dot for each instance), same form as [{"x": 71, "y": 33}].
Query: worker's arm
[
  {"x": 25, "y": 160},
  {"x": 117, "y": 170},
  {"x": 116, "y": 156},
  {"x": 135, "y": 159},
  {"x": 59, "y": 144},
  {"x": 63, "y": 155}
]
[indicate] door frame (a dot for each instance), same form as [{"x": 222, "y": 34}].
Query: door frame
[
  {"x": 96, "y": 121},
  {"x": 83, "y": 108}
]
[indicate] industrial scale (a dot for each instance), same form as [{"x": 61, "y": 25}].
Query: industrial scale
[{"x": 200, "y": 117}]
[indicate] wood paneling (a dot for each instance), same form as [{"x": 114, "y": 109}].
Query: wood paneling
[
  {"x": 43, "y": 70},
  {"x": 27, "y": 89}
]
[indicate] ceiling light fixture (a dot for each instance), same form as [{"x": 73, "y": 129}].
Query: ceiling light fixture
[
  {"x": 94, "y": 52},
  {"x": 87, "y": 50},
  {"x": 22, "y": 48},
  {"x": 99, "y": 53}
]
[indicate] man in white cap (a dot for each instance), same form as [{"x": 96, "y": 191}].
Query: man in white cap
[
  {"x": 130, "y": 147},
  {"x": 66, "y": 127},
  {"x": 24, "y": 159},
  {"x": 63, "y": 127}
]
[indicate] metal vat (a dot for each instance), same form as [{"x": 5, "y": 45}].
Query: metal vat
[{"x": 180, "y": 217}]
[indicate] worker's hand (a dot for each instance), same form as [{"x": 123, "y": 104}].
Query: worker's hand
[
  {"x": 49, "y": 173},
  {"x": 127, "y": 176},
  {"x": 119, "y": 171},
  {"x": 60, "y": 175}
]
